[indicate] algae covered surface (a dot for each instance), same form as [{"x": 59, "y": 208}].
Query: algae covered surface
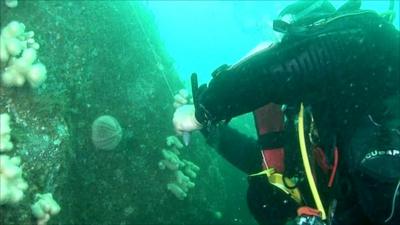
[{"x": 107, "y": 58}]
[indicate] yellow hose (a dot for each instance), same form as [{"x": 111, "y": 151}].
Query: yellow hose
[{"x": 306, "y": 163}]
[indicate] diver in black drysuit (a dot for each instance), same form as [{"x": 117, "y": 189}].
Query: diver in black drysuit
[{"x": 347, "y": 71}]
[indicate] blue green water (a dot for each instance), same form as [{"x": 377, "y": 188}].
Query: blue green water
[
  {"x": 202, "y": 35},
  {"x": 108, "y": 58}
]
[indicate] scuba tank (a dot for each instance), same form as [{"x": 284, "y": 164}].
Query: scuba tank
[{"x": 298, "y": 16}]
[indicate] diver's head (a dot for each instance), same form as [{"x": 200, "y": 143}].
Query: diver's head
[{"x": 304, "y": 12}]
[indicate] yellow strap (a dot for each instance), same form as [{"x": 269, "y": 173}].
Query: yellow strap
[
  {"x": 277, "y": 180},
  {"x": 306, "y": 164},
  {"x": 267, "y": 172}
]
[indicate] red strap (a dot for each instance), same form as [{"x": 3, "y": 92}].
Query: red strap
[
  {"x": 335, "y": 163},
  {"x": 274, "y": 158},
  {"x": 323, "y": 164},
  {"x": 269, "y": 118},
  {"x": 308, "y": 211},
  {"x": 321, "y": 159}
]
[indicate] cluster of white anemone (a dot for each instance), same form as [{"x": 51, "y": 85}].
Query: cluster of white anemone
[
  {"x": 12, "y": 185},
  {"x": 5, "y": 130},
  {"x": 18, "y": 54},
  {"x": 18, "y": 61},
  {"x": 11, "y": 3},
  {"x": 44, "y": 207}
]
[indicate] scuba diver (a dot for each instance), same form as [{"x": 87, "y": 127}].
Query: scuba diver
[{"x": 334, "y": 76}]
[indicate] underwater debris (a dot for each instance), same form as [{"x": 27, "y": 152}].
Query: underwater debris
[
  {"x": 18, "y": 54},
  {"x": 12, "y": 185},
  {"x": 106, "y": 132},
  {"x": 5, "y": 130},
  {"x": 44, "y": 207}
]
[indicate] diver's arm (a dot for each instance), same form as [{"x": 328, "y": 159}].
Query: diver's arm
[
  {"x": 241, "y": 151},
  {"x": 308, "y": 66},
  {"x": 281, "y": 74}
]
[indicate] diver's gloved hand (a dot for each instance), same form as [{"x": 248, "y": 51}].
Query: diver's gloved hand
[
  {"x": 182, "y": 98},
  {"x": 184, "y": 119}
]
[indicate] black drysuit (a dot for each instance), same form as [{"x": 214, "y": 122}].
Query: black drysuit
[{"x": 347, "y": 71}]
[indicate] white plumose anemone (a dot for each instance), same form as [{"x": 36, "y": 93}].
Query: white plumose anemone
[
  {"x": 11, "y": 3},
  {"x": 18, "y": 54},
  {"x": 37, "y": 74}
]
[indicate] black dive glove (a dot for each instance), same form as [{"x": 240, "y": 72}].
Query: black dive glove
[{"x": 202, "y": 115}]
